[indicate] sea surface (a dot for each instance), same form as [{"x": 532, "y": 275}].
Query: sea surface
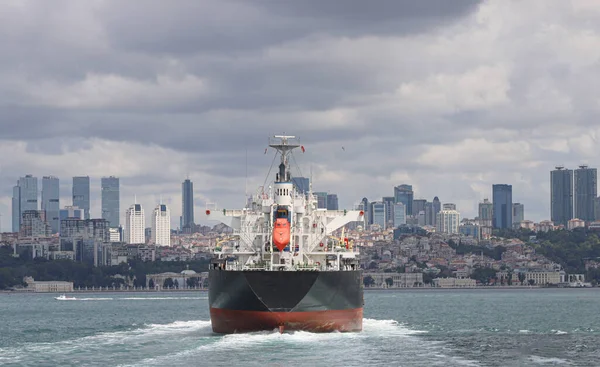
[{"x": 525, "y": 327}]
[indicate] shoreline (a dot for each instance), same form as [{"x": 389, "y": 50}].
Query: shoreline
[{"x": 369, "y": 289}]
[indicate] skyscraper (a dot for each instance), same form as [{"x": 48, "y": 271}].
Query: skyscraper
[
  {"x": 81, "y": 194},
  {"x": 418, "y": 206},
  {"x": 187, "y": 203},
  {"x": 332, "y": 202},
  {"x": 502, "y": 203},
  {"x": 404, "y": 194},
  {"x": 518, "y": 213},
  {"x": 378, "y": 210},
  {"x": 161, "y": 225},
  {"x": 50, "y": 202},
  {"x": 302, "y": 184},
  {"x": 486, "y": 213},
  {"x": 561, "y": 195},
  {"x": 367, "y": 209},
  {"x": 399, "y": 214},
  {"x": 111, "y": 200},
  {"x": 135, "y": 225},
  {"x": 321, "y": 199},
  {"x": 24, "y": 198},
  {"x": 585, "y": 192},
  {"x": 437, "y": 206},
  {"x": 389, "y": 202}
]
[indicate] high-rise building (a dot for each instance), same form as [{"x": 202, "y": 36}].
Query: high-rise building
[
  {"x": 429, "y": 214},
  {"x": 81, "y": 194},
  {"x": 135, "y": 225},
  {"x": 321, "y": 199},
  {"x": 399, "y": 214},
  {"x": 332, "y": 202},
  {"x": 378, "y": 210},
  {"x": 518, "y": 214},
  {"x": 187, "y": 203},
  {"x": 302, "y": 184},
  {"x": 448, "y": 221},
  {"x": 437, "y": 206},
  {"x": 111, "y": 201},
  {"x": 161, "y": 226},
  {"x": 502, "y": 205},
  {"x": 34, "y": 224},
  {"x": 561, "y": 195},
  {"x": 486, "y": 213},
  {"x": 404, "y": 194},
  {"x": 389, "y": 202},
  {"x": 25, "y": 197},
  {"x": 51, "y": 202},
  {"x": 418, "y": 206},
  {"x": 585, "y": 192},
  {"x": 71, "y": 212},
  {"x": 367, "y": 209},
  {"x": 86, "y": 238},
  {"x": 449, "y": 206}
]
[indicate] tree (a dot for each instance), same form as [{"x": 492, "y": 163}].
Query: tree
[
  {"x": 168, "y": 283},
  {"x": 521, "y": 277},
  {"x": 389, "y": 282},
  {"x": 176, "y": 283},
  {"x": 368, "y": 281},
  {"x": 151, "y": 284},
  {"x": 192, "y": 282},
  {"x": 531, "y": 281}
]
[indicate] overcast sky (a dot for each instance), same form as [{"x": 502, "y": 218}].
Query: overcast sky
[{"x": 449, "y": 96}]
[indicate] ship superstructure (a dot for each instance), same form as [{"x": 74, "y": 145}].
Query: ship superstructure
[{"x": 282, "y": 268}]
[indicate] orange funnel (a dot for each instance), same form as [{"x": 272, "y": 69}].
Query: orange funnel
[{"x": 281, "y": 233}]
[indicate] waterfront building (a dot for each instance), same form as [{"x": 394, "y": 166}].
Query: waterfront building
[
  {"x": 404, "y": 194},
  {"x": 332, "y": 202},
  {"x": 81, "y": 194},
  {"x": 486, "y": 213},
  {"x": 51, "y": 202},
  {"x": 111, "y": 200},
  {"x": 585, "y": 192},
  {"x": 25, "y": 197},
  {"x": 518, "y": 214},
  {"x": 161, "y": 226},
  {"x": 447, "y": 221},
  {"x": 48, "y": 286},
  {"x": 502, "y": 205},
  {"x": 187, "y": 204},
  {"x": 561, "y": 195},
  {"x": 135, "y": 225},
  {"x": 399, "y": 214}
]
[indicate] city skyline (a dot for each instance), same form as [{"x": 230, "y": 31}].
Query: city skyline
[
  {"x": 325, "y": 199},
  {"x": 450, "y": 105}
]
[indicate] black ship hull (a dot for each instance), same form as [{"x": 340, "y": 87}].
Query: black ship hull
[{"x": 316, "y": 301}]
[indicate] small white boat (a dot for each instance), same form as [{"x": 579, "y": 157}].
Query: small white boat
[{"x": 64, "y": 297}]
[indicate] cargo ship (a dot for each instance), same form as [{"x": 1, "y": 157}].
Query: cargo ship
[{"x": 282, "y": 268}]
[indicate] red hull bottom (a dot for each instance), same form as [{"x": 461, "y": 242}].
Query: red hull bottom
[{"x": 231, "y": 321}]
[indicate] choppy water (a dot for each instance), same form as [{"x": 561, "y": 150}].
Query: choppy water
[{"x": 405, "y": 328}]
